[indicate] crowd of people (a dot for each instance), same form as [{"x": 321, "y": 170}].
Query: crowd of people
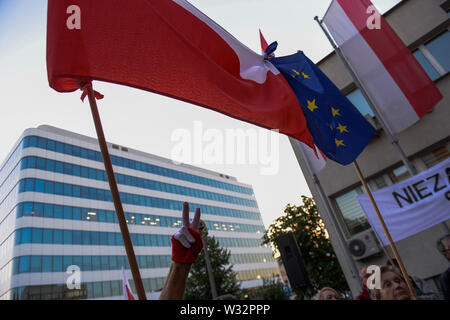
[
  {"x": 187, "y": 244},
  {"x": 392, "y": 284}
]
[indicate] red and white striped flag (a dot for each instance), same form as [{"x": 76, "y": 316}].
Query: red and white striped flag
[
  {"x": 392, "y": 77},
  {"x": 127, "y": 294},
  {"x": 170, "y": 48},
  {"x": 264, "y": 43}
]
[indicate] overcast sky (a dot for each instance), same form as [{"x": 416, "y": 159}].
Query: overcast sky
[{"x": 146, "y": 121}]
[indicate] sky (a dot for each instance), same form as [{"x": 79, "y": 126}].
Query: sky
[{"x": 145, "y": 121}]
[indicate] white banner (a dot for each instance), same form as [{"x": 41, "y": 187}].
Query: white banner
[{"x": 413, "y": 205}]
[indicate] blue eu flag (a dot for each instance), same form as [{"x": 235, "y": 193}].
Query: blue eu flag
[{"x": 337, "y": 127}]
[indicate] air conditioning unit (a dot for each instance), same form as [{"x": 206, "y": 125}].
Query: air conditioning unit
[{"x": 363, "y": 245}]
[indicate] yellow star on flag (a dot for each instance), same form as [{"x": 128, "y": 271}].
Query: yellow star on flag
[
  {"x": 336, "y": 112},
  {"x": 339, "y": 143},
  {"x": 312, "y": 105},
  {"x": 305, "y": 75},
  {"x": 342, "y": 128}
]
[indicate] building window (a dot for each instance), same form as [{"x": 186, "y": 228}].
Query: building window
[
  {"x": 351, "y": 210},
  {"x": 380, "y": 183},
  {"x": 47, "y": 236},
  {"x": 47, "y": 144},
  {"x": 436, "y": 156},
  {"x": 358, "y": 100},
  {"x": 24, "y": 264},
  {"x": 36, "y": 235},
  {"x": 426, "y": 65},
  {"x": 399, "y": 174},
  {"x": 47, "y": 264},
  {"x": 440, "y": 48},
  {"x": 58, "y": 264},
  {"x": 57, "y": 237},
  {"x": 434, "y": 57}
]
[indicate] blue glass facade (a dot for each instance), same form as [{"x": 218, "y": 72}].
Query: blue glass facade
[
  {"x": 102, "y": 289},
  {"x": 53, "y": 195},
  {"x": 36, "y": 263},
  {"x": 96, "y": 174},
  {"x": 98, "y": 238},
  {"x": 85, "y": 192},
  {"x": 77, "y": 151},
  {"x": 48, "y": 210}
]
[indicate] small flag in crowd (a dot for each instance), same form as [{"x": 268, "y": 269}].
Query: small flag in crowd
[{"x": 127, "y": 294}]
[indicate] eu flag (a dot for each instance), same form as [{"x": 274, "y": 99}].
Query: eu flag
[{"x": 337, "y": 127}]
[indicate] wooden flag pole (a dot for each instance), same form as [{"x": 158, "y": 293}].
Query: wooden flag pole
[
  {"x": 386, "y": 231},
  {"x": 115, "y": 195}
]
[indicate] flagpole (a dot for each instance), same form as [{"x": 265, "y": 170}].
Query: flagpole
[
  {"x": 386, "y": 231},
  {"x": 394, "y": 140},
  {"x": 115, "y": 195},
  {"x": 329, "y": 213}
]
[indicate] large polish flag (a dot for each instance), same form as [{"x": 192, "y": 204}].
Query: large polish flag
[
  {"x": 169, "y": 48},
  {"x": 394, "y": 80}
]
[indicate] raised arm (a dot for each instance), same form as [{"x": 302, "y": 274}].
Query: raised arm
[{"x": 186, "y": 245}]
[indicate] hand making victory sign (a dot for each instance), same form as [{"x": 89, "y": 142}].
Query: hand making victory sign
[
  {"x": 186, "y": 245},
  {"x": 187, "y": 242},
  {"x": 184, "y": 235}
]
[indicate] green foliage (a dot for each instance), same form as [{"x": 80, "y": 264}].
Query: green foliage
[
  {"x": 198, "y": 287},
  {"x": 272, "y": 289},
  {"x": 320, "y": 261}
]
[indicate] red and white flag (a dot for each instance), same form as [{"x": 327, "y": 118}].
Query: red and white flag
[
  {"x": 127, "y": 294},
  {"x": 264, "y": 43},
  {"x": 170, "y": 48},
  {"x": 393, "y": 78}
]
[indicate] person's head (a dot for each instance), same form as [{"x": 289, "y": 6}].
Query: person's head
[
  {"x": 363, "y": 275},
  {"x": 443, "y": 245},
  {"x": 328, "y": 293},
  {"x": 393, "y": 285}
]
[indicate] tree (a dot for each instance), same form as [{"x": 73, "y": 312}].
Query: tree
[
  {"x": 312, "y": 238},
  {"x": 272, "y": 289},
  {"x": 198, "y": 287}
]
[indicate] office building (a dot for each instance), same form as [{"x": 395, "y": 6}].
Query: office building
[{"x": 56, "y": 212}]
